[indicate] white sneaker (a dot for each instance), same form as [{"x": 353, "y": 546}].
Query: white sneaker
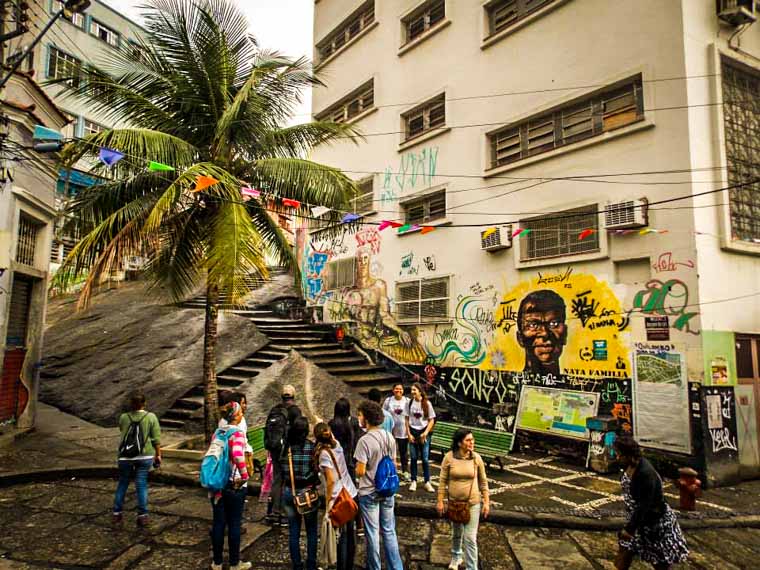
[
  {"x": 413, "y": 486},
  {"x": 429, "y": 487},
  {"x": 455, "y": 564},
  {"x": 216, "y": 566},
  {"x": 241, "y": 566},
  {"x": 406, "y": 476}
]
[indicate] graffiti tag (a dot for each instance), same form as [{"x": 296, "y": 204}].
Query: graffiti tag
[
  {"x": 669, "y": 298},
  {"x": 665, "y": 263}
]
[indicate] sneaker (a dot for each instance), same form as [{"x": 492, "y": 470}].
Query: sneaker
[
  {"x": 284, "y": 522},
  {"x": 412, "y": 486},
  {"x": 117, "y": 519},
  {"x": 360, "y": 532},
  {"x": 455, "y": 564},
  {"x": 271, "y": 520},
  {"x": 142, "y": 521},
  {"x": 406, "y": 476},
  {"x": 429, "y": 487},
  {"x": 216, "y": 566},
  {"x": 241, "y": 566}
]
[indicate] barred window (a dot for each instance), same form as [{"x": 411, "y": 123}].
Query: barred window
[
  {"x": 556, "y": 234},
  {"x": 347, "y": 30},
  {"x": 564, "y": 125},
  {"x": 356, "y": 103},
  {"x": 741, "y": 120},
  {"x": 504, "y": 13},
  {"x": 105, "y": 33},
  {"x": 92, "y": 128},
  {"x": 428, "y": 116},
  {"x": 341, "y": 273},
  {"x": 423, "y": 19},
  {"x": 422, "y": 300},
  {"x": 364, "y": 202},
  {"x": 431, "y": 207},
  {"x": 76, "y": 18},
  {"x": 62, "y": 65},
  {"x": 28, "y": 230}
]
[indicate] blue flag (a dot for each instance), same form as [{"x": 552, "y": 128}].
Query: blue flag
[{"x": 110, "y": 156}]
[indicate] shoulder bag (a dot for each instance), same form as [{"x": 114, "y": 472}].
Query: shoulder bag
[
  {"x": 307, "y": 500},
  {"x": 344, "y": 509},
  {"x": 459, "y": 511}
]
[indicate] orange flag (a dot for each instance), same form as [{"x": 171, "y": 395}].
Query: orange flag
[{"x": 202, "y": 182}]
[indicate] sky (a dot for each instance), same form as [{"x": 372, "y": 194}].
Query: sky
[{"x": 282, "y": 25}]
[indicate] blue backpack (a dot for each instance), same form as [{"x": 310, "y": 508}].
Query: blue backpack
[
  {"x": 386, "y": 476},
  {"x": 216, "y": 467}
]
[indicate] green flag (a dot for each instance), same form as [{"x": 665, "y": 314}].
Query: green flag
[{"x": 158, "y": 167}]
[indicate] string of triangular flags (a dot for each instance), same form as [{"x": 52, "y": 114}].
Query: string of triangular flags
[{"x": 582, "y": 235}]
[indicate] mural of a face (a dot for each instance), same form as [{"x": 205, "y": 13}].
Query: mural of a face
[
  {"x": 542, "y": 331},
  {"x": 363, "y": 260}
]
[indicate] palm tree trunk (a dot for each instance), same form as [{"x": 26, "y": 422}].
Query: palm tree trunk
[{"x": 210, "y": 394}]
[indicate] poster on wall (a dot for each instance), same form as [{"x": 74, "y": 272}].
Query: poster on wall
[
  {"x": 559, "y": 412},
  {"x": 661, "y": 400}
]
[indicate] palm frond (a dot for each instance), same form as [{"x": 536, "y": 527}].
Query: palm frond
[{"x": 299, "y": 140}]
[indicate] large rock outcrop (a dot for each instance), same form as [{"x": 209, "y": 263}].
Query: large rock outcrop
[{"x": 130, "y": 339}]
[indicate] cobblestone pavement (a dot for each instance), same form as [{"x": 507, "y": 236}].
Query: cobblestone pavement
[{"x": 66, "y": 525}]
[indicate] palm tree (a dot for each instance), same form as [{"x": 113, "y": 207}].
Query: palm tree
[{"x": 198, "y": 95}]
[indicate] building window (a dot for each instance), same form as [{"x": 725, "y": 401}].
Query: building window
[
  {"x": 503, "y": 13},
  {"x": 28, "y": 229},
  {"x": 62, "y": 65},
  {"x": 422, "y": 300},
  {"x": 364, "y": 202},
  {"x": 105, "y": 33},
  {"x": 741, "y": 120},
  {"x": 423, "y": 19},
  {"x": 570, "y": 123},
  {"x": 556, "y": 234},
  {"x": 347, "y": 30},
  {"x": 341, "y": 273},
  {"x": 76, "y": 18},
  {"x": 139, "y": 53},
  {"x": 359, "y": 101},
  {"x": 426, "y": 117},
  {"x": 18, "y": 312},
  {"x": 427, "y": 209},
  {"x": 747, "y": 357},
  {"x": 91, "y": 128}
]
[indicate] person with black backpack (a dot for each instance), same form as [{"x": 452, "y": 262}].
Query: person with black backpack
[
  {"x": 378, "y": 482},
  {"x": 278, "y": 423},
  {"x": 139, "y": 450}
]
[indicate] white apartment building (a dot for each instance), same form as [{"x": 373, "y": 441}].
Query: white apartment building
[{"x": 577, "y": 184}]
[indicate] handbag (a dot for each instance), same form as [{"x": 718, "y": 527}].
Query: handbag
[
  {"x": 344, "y": 508},
  {"x": 328, "y": 544},
  {"x": 307, "y": 500},
  {"x": 459, "y": 511}
]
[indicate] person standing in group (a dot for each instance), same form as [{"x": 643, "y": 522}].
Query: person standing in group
[
  {"x": 331, "y": 460},
  {"x": 420, "y": 421},
  {"x": 298, "y": 474},
  {"x": 377, "y": 511},
  {"x": 278, "y": 423},
  {"x": 139, "y": 450},
  {"x": 376, "y": 396},
  {"x": 345, "y": 428},
  {"x": 651, "y": 532},
  {"x": 464, "y": 484},
  {"x": 228, "y": 504},
  {"x": 398, "y": 406}
]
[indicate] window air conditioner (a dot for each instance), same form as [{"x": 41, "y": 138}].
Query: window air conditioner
[
  {"x": 738, "y": 12},
  {"x": 494, "y": 241},
  {"x": 626, "y": 215}
]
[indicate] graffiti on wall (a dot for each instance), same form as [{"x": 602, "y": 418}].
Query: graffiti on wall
[
  {"x": 666, "y": 263},
  {"x": 415, "y": 170},
  {"x": 669, "y": 298}
]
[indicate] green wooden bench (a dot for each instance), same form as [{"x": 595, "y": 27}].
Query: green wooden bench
[
  {"x": 256, "y": 441},
  {"x": 492, "y": 445}
]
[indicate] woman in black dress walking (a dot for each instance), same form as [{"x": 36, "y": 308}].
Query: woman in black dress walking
[{"x": 651, "y": 532}]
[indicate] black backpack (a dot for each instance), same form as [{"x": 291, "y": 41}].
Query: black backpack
[
  {"x": 276, "y": 429},
  {"x": 133, "y": 442}
]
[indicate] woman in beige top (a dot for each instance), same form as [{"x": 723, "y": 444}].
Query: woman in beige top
[{"x": 463, "y": 476}]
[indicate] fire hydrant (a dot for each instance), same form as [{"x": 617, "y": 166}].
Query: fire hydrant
[{"x": 690, "y": 488}]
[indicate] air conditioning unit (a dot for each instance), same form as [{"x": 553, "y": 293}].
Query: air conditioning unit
[
  {"x": 495, "y": 240},
  {"x": 738, "y": 12},
  {"x": 626, "y": 215}
]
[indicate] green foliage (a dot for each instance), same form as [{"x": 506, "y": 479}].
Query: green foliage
[{"x": 204, "y": 99}]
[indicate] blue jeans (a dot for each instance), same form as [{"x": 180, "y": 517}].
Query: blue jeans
[
  {"x": 294, "y": 533},
  {"x": 228, "y": 512},
  {"x": 467, "y": 534},
  {"x": 140, "y": 468},
  {"x": 347, "y": 547},
  {"x": 378, "y": 518},
  {"x": 421, "y": 451}
]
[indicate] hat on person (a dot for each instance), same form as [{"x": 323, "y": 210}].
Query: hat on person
[
  {"x": 233, "y": 409},
  {"x": 288, "y": 391}
]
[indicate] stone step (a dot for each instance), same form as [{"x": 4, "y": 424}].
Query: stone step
[
  {"x": 277, "y": 333},
  {"x": 384, "y": 387},
  {"x": 178, "y": 414},
  {"x": 273, "y": 355},
  {"x": 271, "y": 319},
  {"x": 372, "y": 378},
  {"x": 294, "y": 341},
  {"x": 170, "y": 423},
  {"x": 256, "y": 362},
  {"x": 315, "y": 354},
  {"x": 190, "y": 402},
  {"x": 230, "y": 381},
  {"x": 352, "y": 370},
  {"x": 315, "y": 345},
  {"x": 293, "y": 327},
  {"x": 333, "y": 361},
  {"x": 245, "y": 370}
]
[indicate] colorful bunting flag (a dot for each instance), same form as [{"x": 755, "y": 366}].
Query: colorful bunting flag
[
  {"x": 645, "y": 231},
  {"x": 396, "y": 225},
  {"x": 43, "y": 133},
  {"x": 109, "y": 157},
  {"x": 488, "y": 232},
  {"x": 291, "y": 203},
  {"x": 249, "y": 192},
  {"x": 404, "y": 228},
  {"x": 318, "y": 211},
  {"x": 585, "y": 233},
  {"x": 159, "y": 167},
  {"x": 202, "y": 182},
  {"x": 428, "y": 229},
  {"x": 384, "y": 224},
  {"x": 414, "y": 228},
  {"x": 520, "y": 232},
  {"x": 348, "y": 218}
]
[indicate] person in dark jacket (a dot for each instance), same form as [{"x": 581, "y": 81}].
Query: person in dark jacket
[
  {"x": 274, "y": 510},
  {"x": 651, "y": 531},
  {"x": 346, "y": 430}
]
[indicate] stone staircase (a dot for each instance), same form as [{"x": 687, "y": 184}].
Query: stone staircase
[{"x": 313, "y": 341}]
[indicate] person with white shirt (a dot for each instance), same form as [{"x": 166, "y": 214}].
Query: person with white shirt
[
  {"x": 419, "y": 423},
  {"x": 331, "y": 460},
  {"x": 398, "y": 405}
]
